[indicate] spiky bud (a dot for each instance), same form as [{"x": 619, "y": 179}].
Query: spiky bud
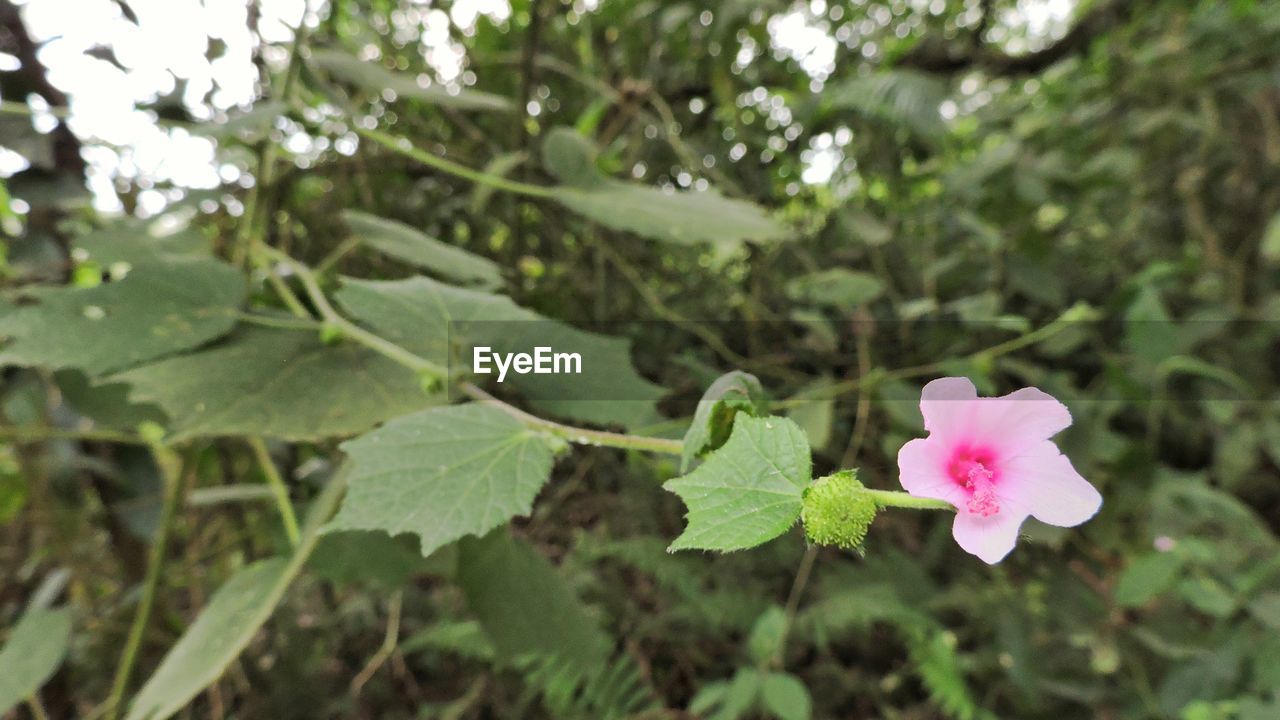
[{"x": 837, "y": 512}]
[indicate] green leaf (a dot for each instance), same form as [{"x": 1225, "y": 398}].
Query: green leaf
[
  {"x": 1269, "y": 249},
  {"x": 1147, "y": 577},
  {"x": 423, "y": 316},
  {"x": 815, "y": 412},
  {"x": 407, "y": 244},
  {"x": 523, "y": 603},
  {"x": 865, "y": 227},
  {"x": 374, "y": 78},
  {"x": 836, "y": 288},
  {"x": 786, "y": 697},
  {"x": 14, "y": 486},
  {"x": 740, "y": 695},
  {"x": 106, "y": 404},
  {"x": 1150, "y": 333},
  {"x": 708, "y": 697},
  {"x": 682, "y": 217},
  {"x": 277, "y": 383},
  {"x": 219, "y": 634},
  {"x": 685, "y": 217},
  {"x": 133, "y": 241},
  {"x": 32, "y": 654},
  {"x": 1208, "y": 596},
  {"x": 444, "y": 473},
  {"x": 162, "y": 306},
  {"x": 375, "y": 558},
  {"x": 767, "y": 634},
  {"x": 1266, "y": 608},
  {"x": 749, "y": 491},
  {"x": 730, "y": 394}
]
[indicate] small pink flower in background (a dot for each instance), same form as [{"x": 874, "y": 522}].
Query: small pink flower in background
[{"x": 992, "y": 459}]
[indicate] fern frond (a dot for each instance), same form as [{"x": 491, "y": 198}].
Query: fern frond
[
  {"x": 612, "y": 691},
  {"x": 933, "y": 654},
  {"x": 901, "y": 97}
]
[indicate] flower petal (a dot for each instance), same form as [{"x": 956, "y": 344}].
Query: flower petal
[
  {"x": 922, "y": 471},
  {"x": 990, "y": 538},
  {"x": 1019, "y": 420},
  {"x": 1041, "y": 481},
  {"x": 947, "y": 405}
]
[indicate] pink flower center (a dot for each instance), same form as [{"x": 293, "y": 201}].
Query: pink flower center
[{"x": 974, "y": 470}]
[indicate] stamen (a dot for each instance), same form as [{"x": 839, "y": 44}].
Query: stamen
[{"x": 983, "y": 501}]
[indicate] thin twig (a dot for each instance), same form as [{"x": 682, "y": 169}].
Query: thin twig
[
  {"x": 429, "y": 369},
  {"x": 170, "y": 466},
  {"x": 580, "y": 436},
  {"x": 37, "y": 708},
  {"x": 351, "y": 330},
  {"x": 279, "y": 322},
  {"x": 278, "y": 488},
  {"x": 338, "y": 253},
  {"x": 388, "y": 644},
  {"x": 863, "y": 409},
  {"x": 1072, "y": 315},
  {"x": 41, "y": 434},
  {"x": 793, "y": 605},
  {"x": 403, "y": 147}
]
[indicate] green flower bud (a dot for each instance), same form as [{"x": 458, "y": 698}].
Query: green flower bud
[{"x": 837, "y": 512}]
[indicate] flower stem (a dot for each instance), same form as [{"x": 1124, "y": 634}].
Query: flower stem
[{"x": 894, "y": 498}]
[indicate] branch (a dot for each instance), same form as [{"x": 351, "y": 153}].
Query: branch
[
  {"x": 949, "y": 58},
  {"x": 32, "y": 77},
  {"x": 433, "y": 374}
]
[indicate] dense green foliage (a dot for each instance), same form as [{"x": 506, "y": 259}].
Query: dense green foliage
[{"x": 241, "y": 474}]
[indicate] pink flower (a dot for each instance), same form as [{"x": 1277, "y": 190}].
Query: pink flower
[{"x": 992, "y": 459}]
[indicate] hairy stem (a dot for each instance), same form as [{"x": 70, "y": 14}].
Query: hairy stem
[
  {"x": 895, "y": 498},
  {"x": 429, "y": 369},
  {"x": 1072, "y": 315},
  {"x": 37, "y": 708},
  {"x": 388, "y": 644},
  {"x": 34, "y": 435},
  {"x": 580, "y": 436},
  {"x": 170, "y": 466},
  {"x": 793, "y": 605},
  {"x": 250, "y": 234},
  {"x": 401, "y": 146},
  {"x": 278, "y": 489},
  {"x": 351, "y": 330}
]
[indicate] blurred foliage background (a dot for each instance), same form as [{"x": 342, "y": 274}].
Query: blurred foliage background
[{"x": 950, "y": 178}]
